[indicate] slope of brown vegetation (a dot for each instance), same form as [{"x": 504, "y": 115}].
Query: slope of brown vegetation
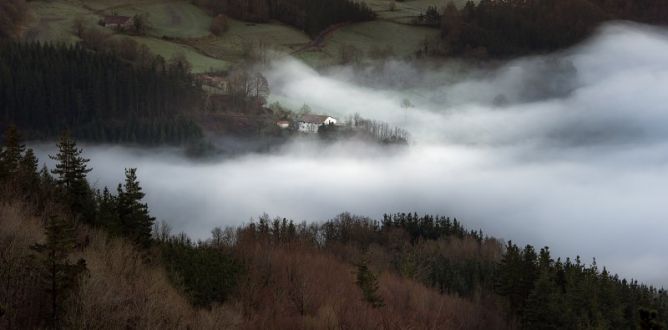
[
  {"x": 294, "y": 285},
  {"x": 123, "y": 291},
  {"x": 19, "y": 294},
  {"x": 120, "y": 290},
  {"x": 291, "y": 286}
]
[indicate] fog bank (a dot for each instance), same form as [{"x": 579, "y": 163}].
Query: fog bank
[{"x": 568, "y": 150}]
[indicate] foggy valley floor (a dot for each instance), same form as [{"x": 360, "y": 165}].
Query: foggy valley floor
[
  {"x": 333, "y": 164},
  {"x": 574, "y": 158}
]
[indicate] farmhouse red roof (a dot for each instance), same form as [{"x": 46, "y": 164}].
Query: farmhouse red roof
[{"x": 313, "y": 119}]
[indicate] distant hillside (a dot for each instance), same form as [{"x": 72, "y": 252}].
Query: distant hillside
[
  {"x": 180, "y": 27},
  {"x": 516, "y": 27},
  {"x": 311, "y": 16}
]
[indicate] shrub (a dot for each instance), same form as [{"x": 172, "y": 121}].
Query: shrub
[{"x": 219, "y": 25}]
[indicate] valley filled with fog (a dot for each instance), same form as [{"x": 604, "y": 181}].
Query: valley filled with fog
[{"x": 568, "y": 150}]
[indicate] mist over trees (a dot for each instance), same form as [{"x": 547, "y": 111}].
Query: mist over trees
[
  {"x": 364, "y": 129},
  {"x": 76, "y": 255},
  {"x": 398, "y": 270}
]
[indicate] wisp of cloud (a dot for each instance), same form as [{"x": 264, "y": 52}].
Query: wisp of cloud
[{"x": 568, "y": 150}]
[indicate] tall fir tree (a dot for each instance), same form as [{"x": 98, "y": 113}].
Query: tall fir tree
[
  {"x": 546, "y": 306},
  {"x": 70, "y": 175},
  {"x": 107, "y": 211},
  {"x": 27, "y": 172},
  {"x": 11, "y": 153},
  {"x": 60, "y": 275},
  {"x": 136, "y": 221}
]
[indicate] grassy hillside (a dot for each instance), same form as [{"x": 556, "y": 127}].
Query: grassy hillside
[
  {"x": 171, "y": 18},
  {"x": 52, "y": 21},
  {"x": 405, "y": 11},
  {"x": 230, "y": 45},
  {"x": 403, "y": 39},
  {"x": 200, "y": 62},
  {"x": 180, "y": 27}
]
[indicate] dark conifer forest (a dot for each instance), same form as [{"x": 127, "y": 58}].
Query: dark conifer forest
[
  {"x": 509, "y": 27},
  {"x": 45, "y": 89}
]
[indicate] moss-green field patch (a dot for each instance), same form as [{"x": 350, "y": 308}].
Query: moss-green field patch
[
  {"x": 404, "y": 40},
  {"x": 176, "y": 19},
  {"x": 406, "y": 11},
  {"x": 166, "y": 49},
  {"x": 52, "y": 21},
  {"x": 273, "y": 35}
]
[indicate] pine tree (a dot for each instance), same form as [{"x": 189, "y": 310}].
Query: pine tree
[
  {"x": 60, "y": 276},
  {"x": 71, "y": 168},
  {"x": 649, "y": 320},
  {"x": 27, "y": 172},
  {"x": 70, "y": 175},
  {"x": 508, "y": 281},
  {"x": 545, "y": 307},
  {"x": 11, "y": 153},
  {"x": 107, "y": 211},
  {"x": 135, "y": 220},
  {"x": 367, "y": 281}
]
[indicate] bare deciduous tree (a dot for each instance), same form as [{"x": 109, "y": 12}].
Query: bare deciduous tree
[
  {"x": 79, "y": 26},
  {"x": 12, "y": 15}
]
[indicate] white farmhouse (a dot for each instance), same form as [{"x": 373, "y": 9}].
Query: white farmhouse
[{"x": 311, "y": 123}]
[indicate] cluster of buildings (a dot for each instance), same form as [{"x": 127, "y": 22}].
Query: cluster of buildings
[
  {"x": 308, "y": 123},
  {"x": 117, "y": 22},
  {"x": 218, "y": 86}
]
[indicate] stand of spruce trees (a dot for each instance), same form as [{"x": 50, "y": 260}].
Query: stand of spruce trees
[
  {"x": 45, "y": 89},
  {"x": 66, "y": 201},
  {"x": 505, "y": 28}
]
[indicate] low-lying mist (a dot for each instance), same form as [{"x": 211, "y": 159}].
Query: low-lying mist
[{"x": 567, "y": 150}]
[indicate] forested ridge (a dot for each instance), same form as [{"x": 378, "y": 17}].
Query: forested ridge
[
  {"x": 311, "y": 16},
  {"x": 98, "y": 96},
  {"x": 77, "y": 257},
  {"x": 504, "y": 28}
]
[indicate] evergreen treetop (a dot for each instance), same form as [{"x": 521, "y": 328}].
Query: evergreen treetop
[
  {"x": 60, "y": 276},
  {"x": 12, "y": 152},
  {"x": 367, "y": 281},
  {"x": 71, "y": 166}
]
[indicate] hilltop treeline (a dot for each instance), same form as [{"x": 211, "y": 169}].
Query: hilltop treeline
[
  {"x": 74, "y": 257},
  {"x": 45, "y": 89},
  {"x": 312, "y": 16},
  {"x": 515, "y": 27},
  {"x": 364, "y": 129},
  {"x": 543, "y": 293}
]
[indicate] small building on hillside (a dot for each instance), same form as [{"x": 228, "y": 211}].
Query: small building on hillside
[
  {"x": 283, "y": 124},
  {"x": 117, "y": 22},
  {"x": 311, "y": 123},
  {"x": 217, "y": 84}
]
